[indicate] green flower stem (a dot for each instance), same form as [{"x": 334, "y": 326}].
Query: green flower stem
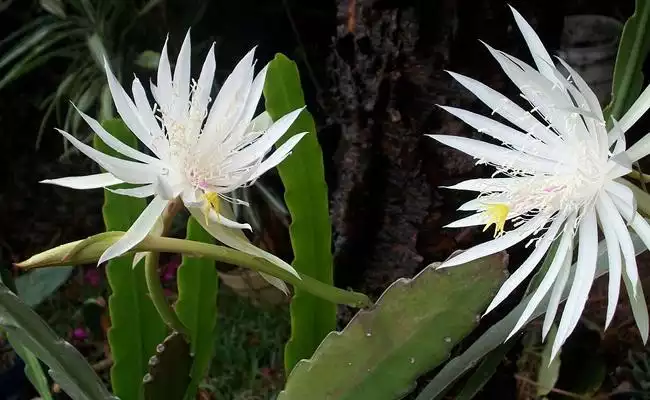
[
  {"x": 88, "y": 251},
  {"x": 157, "y": 294}
]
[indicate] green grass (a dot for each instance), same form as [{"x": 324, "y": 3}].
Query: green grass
[{"x": 248, "y": 355}]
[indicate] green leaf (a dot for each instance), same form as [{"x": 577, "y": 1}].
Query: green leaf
[
  {"x": 632, "y": 51},
  {"x": 35, "y": 286},
  {"x": 67, "y": 366},
  {"x": 409, "y": 331},
  {"x": 484, "y": 372},
  {"x": 197, "y": 305},
  {"x": 169, "y": 370},
  {"x": 33, "y": 369},
  {"x": 497, "y": 334},
  {"x": 305, "y": 194},
  {"x": 136, "y": 327}
]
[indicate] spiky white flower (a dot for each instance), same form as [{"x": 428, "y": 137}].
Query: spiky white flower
[
  {"x": 201, "y": 153},
  {"x": 559, "y": 176}
]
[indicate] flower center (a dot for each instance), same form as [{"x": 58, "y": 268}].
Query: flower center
[
  {"x": 211, "y": 203},
  {"x": 497, "y": 214}
]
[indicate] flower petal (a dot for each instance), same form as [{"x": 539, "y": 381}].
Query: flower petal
[
  {"x": 159, "y": 144},
  {"x": 139, "y": 192},
  {"x": 517, "y": 139},
  {"x": 556, "y": 292},
  {"x": 529, "y": 264},
  {"x": 559, "y": 260},
  {"x": 613, "y": 258},
  {"x": 220, "y": 219},
  {"x": 278, "y": 155},
  {"x": 584, "y": 277},
  {"x": 636, "y": 111},
  {"x": 201, "y": 95},
  {"x": 164, "y": 92},
  {"x": 491, "y": 184},
  {"x": 497, "y": 155},
  {"x": 127, "y": 171},
  {"x": 639, "y": 306},
  {"x": 85, "y": 182},
  {"x": 137, "y": 231},
  {"x": 181, "y": 82},
  {"x": 508, "y": 239},
  {"x": 473, "y": 220},
  {"x": 508, "y": 109}
]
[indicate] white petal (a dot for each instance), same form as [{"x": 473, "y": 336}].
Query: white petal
[
  {"x": 611, "y": 208},
  {"x": 529, "y": 265},
  {"x": 117, "y": 144},
  {"x": 163, "y": 189},
  {"x": 537, "y": 50},
  {"x": 127, "y": 171},
  {"x": 508, "y": 109},
  {"x": 636, "y": 111},
  {"x": 127, "y": 109},
  {"x": 622, "y": 193},
  {"x": 201, "y": 96},
  {"x": 181, "y": 83},
  {"x": 517, "y": 139},
  {"x": 550, "y": 275},
  {"x": 497, "y": 155},
  {"x": 277, "y": 282},
  {"x": 639, "y": 307},
  {"x": 85, "y": 182},
  {"x": 230, "y": 98},
  {"x": 164, "y": 92},
  {"x": 236, "y": 239},
  {"x": 260, "y": 123},
  {"x": 472, "y": 220},
  {"x": 491, "y": 184},
  {"x": 159, "y": 145},
  {"x": 262, "y": 145},
  {"x": 556, "y": 292},
  {"x": 278, "y": 155},
  {"x": 508, "y": 239},
  {"x": 584, "y": 277},
  {"x": 254, "y": 96},
  {"x": 613, "y": 258},
  {"x": 137, "y": 231},
  {"x": 220, "y": 219},
  {"x": 140, "y": 191}
]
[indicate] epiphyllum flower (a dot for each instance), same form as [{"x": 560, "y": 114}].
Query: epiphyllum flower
[
  {"x": 201, "y": 153},
  {"x": 560, "y": 178}
]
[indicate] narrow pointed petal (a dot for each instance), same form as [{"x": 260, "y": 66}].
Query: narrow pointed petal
[
  {"x": 613, "y": 258},
  {"x": 201, "y": 96},
  {"x": 556, "y": 292},
  {"x": 115, "y": 143},
  {"x": 508, "y": 239},
  {"x": 159, "y": 145},
  {"x": 237, "y": 240},
  {"x": 138, "y": 230},
  {"x": 490, "y": 184},
  {"x": 615, "y": 205},
  {"x": 636, "y": 111},
  {"x": 528, "y": 265},
  {"x": 164, "y": 92},
  {"x": 584, "y": 277},
  {"x": 550, "y": 275},
  {"x": 85, "y": 182},
  {"x": 497, "y": 155},
  {"x": 127, "y": 171},
  {"x": 277, "y": 282},
  {"x": 220, "y": 219},
  {"x": 278, "y": 155},
  {"x": 472, "y": 220},
  {"x": 537, "y": 50},
  {"x": 260, "y": 123},
  {"x": 508, "y": 109},
  {"x": 127, "y": 109},
  {"x": 139, "y": 192},
  {"x": 517, "y": 139},
  {"x": 163, "y": 189},
  {"x": 181, "y": 82}
]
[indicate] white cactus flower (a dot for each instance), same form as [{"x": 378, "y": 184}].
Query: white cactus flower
[
  {"x": 201, "y": 152},
  {"x": 557, "y": 177}
]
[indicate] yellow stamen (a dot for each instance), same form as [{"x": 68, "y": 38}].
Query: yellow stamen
[
  {"x": 497, "y": 214},
  {"x": 211, "y": 203}
]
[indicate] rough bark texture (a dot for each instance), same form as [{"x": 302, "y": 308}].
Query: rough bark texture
[{"x": 388, "y": 66}]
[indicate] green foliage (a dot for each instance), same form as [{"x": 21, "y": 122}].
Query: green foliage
[
  {"x": 26, "y": 330},
  {"x": 498, "y": 332},
  {"x": 632, "y": 51},
  {"x": 136, "y": 327},
  {"x": 82, "y": 33},
  {"x": 33, "y": 369},
  {"x": 197, "y": 304},
  {"x": 305, "y": 194},
  {"x": 35, "y": 286},
  {"x": 169, "y": 370},
  {"x": 410, "y": 330}
]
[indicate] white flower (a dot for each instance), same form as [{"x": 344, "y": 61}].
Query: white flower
[
  {"x": 201, "y": 153},
  {"x": 560, "y": 176}
]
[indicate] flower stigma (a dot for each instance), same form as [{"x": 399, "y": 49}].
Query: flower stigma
[{"x": 497, "y": 214}]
